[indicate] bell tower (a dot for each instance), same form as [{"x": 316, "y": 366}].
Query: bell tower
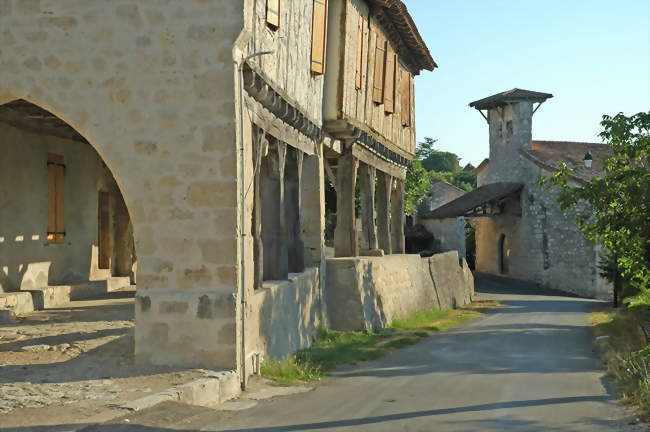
[{"x": 509, "y": 116}]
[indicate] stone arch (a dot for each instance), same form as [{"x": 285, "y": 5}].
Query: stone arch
[
  {"x": 46, "y": 136},
  {"x": 77, "y": 126}
]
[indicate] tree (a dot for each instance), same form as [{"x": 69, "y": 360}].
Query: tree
[
  {"x": 618, "y": 214},
  {"x": 417, "y": 184},
  {"x": 436, "y": 160}
]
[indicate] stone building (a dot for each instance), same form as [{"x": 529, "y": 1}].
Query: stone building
[
  {"x": 188, "y": 141},
  {"x": 521, "y": 231},
  {"x": 447, "y": 234}
]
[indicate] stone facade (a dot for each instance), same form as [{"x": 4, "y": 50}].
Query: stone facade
[
  {"x": 217, "y": 148},
  {"x": 533, "y": 239}
]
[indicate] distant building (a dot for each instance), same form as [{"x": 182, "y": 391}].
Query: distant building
[
  {"x": 521, "y": 232},
  {"x": 447, "y": 233}
]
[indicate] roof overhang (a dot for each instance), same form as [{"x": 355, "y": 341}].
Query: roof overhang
[
  {"x": 485, "y": 201},
  {"x": 401, "y": 19}
]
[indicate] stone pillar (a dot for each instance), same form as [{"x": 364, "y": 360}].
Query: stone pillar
[
  {"x": 367, "y": 193},
  {"x": 345, "y": 238},
  {"x": 397, "y": 217},
  {"x": 384, "y": 182},
  {"x": 273, "y": 214}
]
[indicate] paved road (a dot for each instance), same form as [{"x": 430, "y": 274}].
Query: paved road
[{"x": 528, "y": 366}]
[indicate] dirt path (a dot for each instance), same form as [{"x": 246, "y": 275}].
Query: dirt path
[{"x": 75, "y": 365}]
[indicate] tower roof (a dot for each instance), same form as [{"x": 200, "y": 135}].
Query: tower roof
[{"x": 514, "y": 95}]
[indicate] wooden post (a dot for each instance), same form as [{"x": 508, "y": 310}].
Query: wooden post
[
  {"x": 345, "y": 238},
  {"x": 367, "y": 176},
  {"x": 384, "y": 182},
  {"x": 397, "y": 217}
]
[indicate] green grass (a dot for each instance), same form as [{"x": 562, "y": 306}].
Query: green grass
[
  {"x": 332, "y": 348},
  {"x": 625, "y": 352}
]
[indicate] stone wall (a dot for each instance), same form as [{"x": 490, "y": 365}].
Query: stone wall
[
  {"x": 545, "y": 243},
  {"x": 151, "y": 86},
  {"x": 448, "y": 234},
  {"x": 284, "y": 315},
  {"x": 365, "y": 293}
]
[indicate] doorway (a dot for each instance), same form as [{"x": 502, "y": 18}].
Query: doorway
[
  {"x": 504, "y": 254},
  {"x": 104, "y": 228}
]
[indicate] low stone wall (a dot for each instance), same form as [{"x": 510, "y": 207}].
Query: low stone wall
[
  {"x": 370, "y": 292},
  {"x": 287, "y": 314}
]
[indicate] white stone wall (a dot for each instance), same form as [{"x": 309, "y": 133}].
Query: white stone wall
[
  {"x": 288, "y": 69},
  {"x": 370, "y": 292},
  {"x": 150, "y": 84}
]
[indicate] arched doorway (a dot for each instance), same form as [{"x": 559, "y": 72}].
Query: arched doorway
[
  {"x": 54, "y": 232},
  {"x": 67, "y": 261},
  {"x": 504, "y": 254}
]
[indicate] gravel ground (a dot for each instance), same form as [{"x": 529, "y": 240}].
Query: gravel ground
[{"x": 75, "y": 365}]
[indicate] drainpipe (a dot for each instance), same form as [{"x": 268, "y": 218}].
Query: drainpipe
[{"x": 242, "y": 222}]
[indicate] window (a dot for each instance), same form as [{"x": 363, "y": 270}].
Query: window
[
  {"x": 273, "y": 14},
  {"x": 318, "y": 37},
  {"x": 380, "y": 65},
  {"x": 55, "y": 188},
  {"x": 405, "y": 94},
  {"x": 389, "y": 80}
]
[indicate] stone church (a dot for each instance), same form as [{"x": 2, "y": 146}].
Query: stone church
[{"x": 521, "y": 232}]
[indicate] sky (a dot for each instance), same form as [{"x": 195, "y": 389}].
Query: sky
[{"x": 592, "y": 55}]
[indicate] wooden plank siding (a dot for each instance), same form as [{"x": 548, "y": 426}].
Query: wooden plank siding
[{"x": 358, "y": 104}]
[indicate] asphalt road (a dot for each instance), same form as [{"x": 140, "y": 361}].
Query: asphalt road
[{"x": 527, "y": 366}]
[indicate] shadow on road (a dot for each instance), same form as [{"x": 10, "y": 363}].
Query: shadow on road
[{"x": 124, "y": 427}]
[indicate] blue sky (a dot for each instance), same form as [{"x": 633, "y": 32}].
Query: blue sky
[{"x": 592, "y": 55}]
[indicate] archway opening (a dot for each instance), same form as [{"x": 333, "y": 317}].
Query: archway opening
[
  {"x": 504, "y": 255},
  {"x": 67, "y": 256}
]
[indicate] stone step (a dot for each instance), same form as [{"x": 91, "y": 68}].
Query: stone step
[
  {"x": 15, "y": 303},
  {"x": 117, "y": 282}
]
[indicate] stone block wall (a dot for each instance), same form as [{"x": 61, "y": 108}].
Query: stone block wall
[
  {"x": 151, "y": 86},
  {"x": 370, "y": 292},
  {"x": 545, "y": 243},
  {"x": 284, "y": 315}
]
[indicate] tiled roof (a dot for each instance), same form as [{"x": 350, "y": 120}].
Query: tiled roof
[
  {"x": 485, "y": 194},
  {"x": 398, "y": 13},
  {"x": 514, "y": 95},
  {"x": 549, "y": 154}
]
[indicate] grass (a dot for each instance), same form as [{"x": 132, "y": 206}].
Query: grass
[
  {"x": 622, "y": 346},
  {"x": 332, "y": 348}
]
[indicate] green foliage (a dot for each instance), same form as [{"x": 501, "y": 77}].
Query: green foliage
[
  {"x": 332, "y": 348},
  {"x": 625, "y": 352},
  {"x": 618, "y": 214},
  {"x": 436, "y": 160},
  {"x": 417, "y": 184},
  {"x": 433, "y": 165}
]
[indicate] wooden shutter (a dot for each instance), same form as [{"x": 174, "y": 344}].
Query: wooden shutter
[
  {"x": 360, "y": 48},
  {"x": 55, "y": 199},
  {"x": 389, "y": 86},
  {"x": 405, "y": 93},
  {"x": 273, "y": 13},
  {"x": 380, "y": 66},
  {"x": 318, "y": 37}
]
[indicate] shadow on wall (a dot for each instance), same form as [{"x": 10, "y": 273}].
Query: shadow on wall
[{"x": 289, "y": 313}]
